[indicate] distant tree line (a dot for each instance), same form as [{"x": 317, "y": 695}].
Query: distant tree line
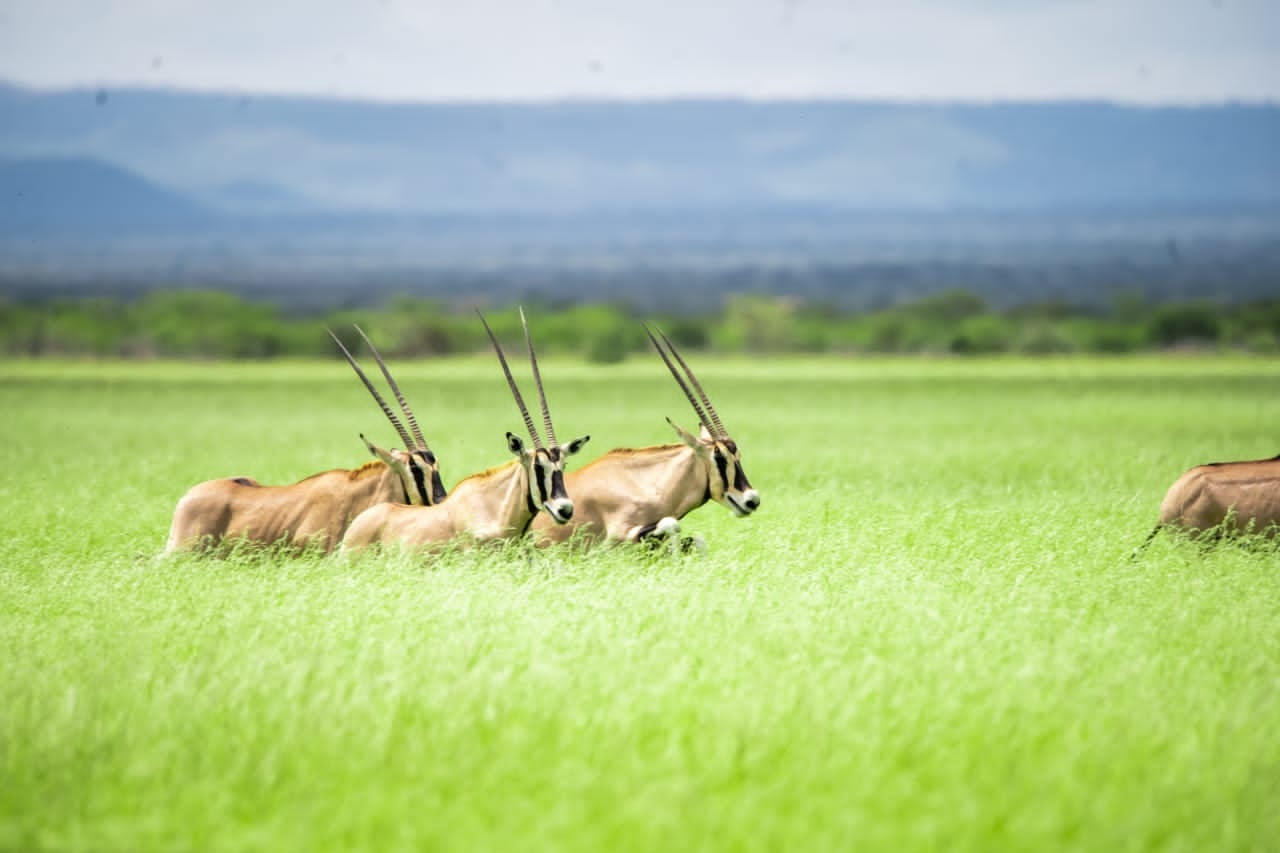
[{"x": 216, "y": 325}]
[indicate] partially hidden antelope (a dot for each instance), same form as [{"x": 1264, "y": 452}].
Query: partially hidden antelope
[
  {"x": 316, "y": 511},
  {"x": 1224, "y": 497},
  {"x": 637, "y": 494},
  {"x": 495, "y": 504}
]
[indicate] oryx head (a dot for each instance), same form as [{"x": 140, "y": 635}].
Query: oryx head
[
  {"x": 726, "y": 481},
  {"x": 544, "y": 464},
  {"x": 416, "y": 465}
]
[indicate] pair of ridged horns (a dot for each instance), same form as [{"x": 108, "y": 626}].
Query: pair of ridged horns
[
  {"x": 410, "y": 444},
  {"x": 537, "y": 378},
  {"x": 707, "y": 416}
]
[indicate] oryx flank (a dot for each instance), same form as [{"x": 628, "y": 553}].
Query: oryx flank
[
  {"x": 317, "y": 510},
  {"x": 631, "y": 494},
  {"x": 494, "y": 504},
  {"x": 1224, "y": 497}
]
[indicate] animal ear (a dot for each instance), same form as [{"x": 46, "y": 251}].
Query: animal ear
[
  {"x": 514, "y": 444},
  {"x": 384, "y": 455},
  {"x": 576, "y": 445},
  {"x": 685, "y": 436}
]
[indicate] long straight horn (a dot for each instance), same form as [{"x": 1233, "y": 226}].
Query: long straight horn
[
  {"x": 404, "y": 405},
  {"x": 395, "y": 422},
  {"x": 537, "y": 378},
  {"x": 679, "y": 379},
  {"x": 528, "y": 421},
  {"x": 697, "y": 386}
]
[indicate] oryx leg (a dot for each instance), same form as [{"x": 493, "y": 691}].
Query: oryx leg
[
  {"x": 692, "y": 545},
  {"x": 659, "y": 531},
  {"x": 666, "y": 533}
]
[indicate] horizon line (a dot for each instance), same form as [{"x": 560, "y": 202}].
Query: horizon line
[{"x": 586, "y": 99}]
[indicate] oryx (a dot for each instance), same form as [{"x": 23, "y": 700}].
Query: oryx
[
  {"x": 494, "y": 504},
  {"x": 631, "y": 494},
  {"x": 1224, "y": 497},
  {"x": 318, "y": 509}
]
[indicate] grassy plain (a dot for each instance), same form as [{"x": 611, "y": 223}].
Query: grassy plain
[{"x": 930, "y": 636}]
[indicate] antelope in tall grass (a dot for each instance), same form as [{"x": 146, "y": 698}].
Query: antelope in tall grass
[
  {"x": 1223, "y": 497},
  {"x": 495, "y": 504},
  {"x": 634, "y": 494},
  {"x": 317, "y": 510}
]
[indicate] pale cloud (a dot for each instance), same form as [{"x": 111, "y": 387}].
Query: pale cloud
[{"x": 1129, "y": 50}]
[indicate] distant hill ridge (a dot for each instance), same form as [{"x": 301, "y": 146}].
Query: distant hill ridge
[
  {"x": 86, "y": 194},
  {"x": 196, "y": 152}
]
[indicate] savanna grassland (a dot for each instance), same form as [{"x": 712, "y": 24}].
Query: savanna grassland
[{"x": 930, "y": 636}]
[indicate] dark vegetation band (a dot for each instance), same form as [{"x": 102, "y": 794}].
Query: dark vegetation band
[{"x": 219, "y": 325}]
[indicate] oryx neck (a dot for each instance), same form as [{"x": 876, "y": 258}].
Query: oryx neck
[
  {"x": 494, "y": 473},
  {"x": 500, "y": 494},
  {"x": 378, "y": 478},
  {"x": 372, "y": 468},
  {"x": 674, "y": 470},
  {"x": 641, "y": 457}
]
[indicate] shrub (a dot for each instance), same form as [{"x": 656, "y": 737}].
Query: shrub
[{"x": 1188, "y": 323}]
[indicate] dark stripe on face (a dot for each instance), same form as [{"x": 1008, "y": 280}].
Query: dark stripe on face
[
  {"x": 722, "y": 466},
  {"x": 557, "y": 485},
  {"x": 542, "y": 480},
  {"x": 437, "y": 488},
  {"x": 419, "y": 480},
  {"x": 740, "y": 478},
  {"x": 538, "y": 487}
]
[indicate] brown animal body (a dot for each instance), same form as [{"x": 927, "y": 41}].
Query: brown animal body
[
  {"x": 1247, "y": 493},
  {"x": 625, "y": 494},
  {"x": 494, "y": 504},
  {"x": 630, "y": 494},
  {"x": 315, "y": 511},
  {"x": 634, "y": 494}
]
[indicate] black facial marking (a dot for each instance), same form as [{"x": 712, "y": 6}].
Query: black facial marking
[
  {"x": 545, "y": 489},
  {"x": 722, "y": 465},
  {"x": 539, "y": 481},
  {"x": 437, "y": 488},
  {"x": 535, "y": 477},
  {"x": 420, "y": 481},
  {"x": 557, "y": 485},
  {"x": 740, "y": 478}
]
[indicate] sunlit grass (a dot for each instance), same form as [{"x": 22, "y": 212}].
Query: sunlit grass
[{"x": 930, "y": 635}]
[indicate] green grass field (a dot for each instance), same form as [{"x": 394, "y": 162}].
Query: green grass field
[{"x": 929, "y": 637}]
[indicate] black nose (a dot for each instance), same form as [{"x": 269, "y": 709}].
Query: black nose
[{"x": 751, "y": 503}]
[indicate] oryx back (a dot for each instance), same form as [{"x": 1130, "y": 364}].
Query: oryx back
[
  {"x": 489, "y": 505},
  {"x": 1245, "y": 493},
  {"x": 314, "y": 511}
]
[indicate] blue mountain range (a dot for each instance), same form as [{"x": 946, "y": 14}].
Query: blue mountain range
[{"x": 135, "y": 155}]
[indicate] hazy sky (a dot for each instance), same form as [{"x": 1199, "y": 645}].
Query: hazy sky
[{"x": 1168, "y": 51}]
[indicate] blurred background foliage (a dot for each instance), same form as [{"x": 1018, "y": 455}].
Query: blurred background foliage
[{"x": 207, "y": 324}]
